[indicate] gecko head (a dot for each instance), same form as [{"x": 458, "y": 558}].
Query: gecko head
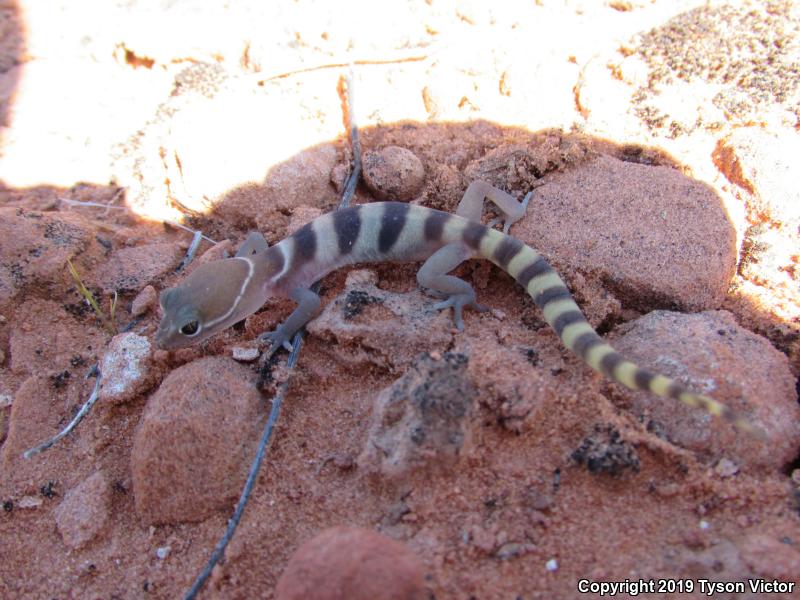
[{"x": 215, "y": 296}]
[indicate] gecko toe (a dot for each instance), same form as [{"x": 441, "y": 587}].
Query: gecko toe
[
  {"x": 444, "y": 304},
  {"x": 458, "y": 302},
  {"x": 274, "y": 340}
]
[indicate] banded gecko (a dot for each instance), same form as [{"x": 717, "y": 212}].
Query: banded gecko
[{"x": 218, "y": 294}]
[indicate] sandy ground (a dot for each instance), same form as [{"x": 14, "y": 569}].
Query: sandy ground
[{"x": 660, "y": 139}]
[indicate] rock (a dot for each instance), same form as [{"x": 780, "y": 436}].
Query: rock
[
  {"x": 36, "y": 247},
  {"x": 722, "y": 561},
  {"x": 420, "y": 421},
  {"x": 30, "y": 502},
  {"x": 713, "y": 355},
  {"x": 245, "y": 353},
  {"x": 393, "y": 173},
  {"x": 195, "y": 442},
  {"x": 45, "y": 338},
  {"x": 607, "y": 452},
  {"x": 349, "y": 563},
  {"x": 771, "y": 558},
  {"x": 126, "y": 368},
  {"x": 36, "y": 413},
  {"x": 655, "y": 237},
  {"x": 131, "y": 269},
  {"x": 83, "y": 513},
  {"x": 513, "y": 386},
  {"x": 144, "y": 301},
  {"x": 301, "y": 216},
  {"x": 367, "y": 325}
]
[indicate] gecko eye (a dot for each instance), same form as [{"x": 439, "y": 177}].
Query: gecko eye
[{"x": 190, "y": 329}]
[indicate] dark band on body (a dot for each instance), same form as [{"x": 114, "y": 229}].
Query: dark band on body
[
  {"x": 473, "y": 234},
  {"x": 347, "y": 224},
  {"x": 305, "y": 245},
  {"x": 434, "y": 225},
  {"x": 392, "y": 222}
]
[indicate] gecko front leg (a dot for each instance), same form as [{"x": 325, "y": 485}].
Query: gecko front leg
[{"x": 308, "y": 303}]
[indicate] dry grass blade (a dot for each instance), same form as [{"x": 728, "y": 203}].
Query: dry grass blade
[{"x": 87, "y": 294}]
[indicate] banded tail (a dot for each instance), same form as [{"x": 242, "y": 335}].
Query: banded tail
[{"x": 532, "y": 271}]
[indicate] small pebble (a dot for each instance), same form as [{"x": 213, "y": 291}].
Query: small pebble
[
  {"x": 726, "y": 468},
  {"x": 352, "y": 563},
  {"x": 144, "y": 301},
  {"x": 244, "y": 353},
  {"x": 163, "y": 552},
  {"x": 361, "y": 277},
  {"x": 551, "y": 565},
  {"x": 29, "y": 502},
  {"x": 704, "y": 524},
  {"x": 393, "y": 173},
  {"x": 5, "y": 400}
]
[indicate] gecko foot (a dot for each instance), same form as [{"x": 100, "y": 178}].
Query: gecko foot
[
  {"x": 458, "y": 302},
  {"x": 275, "y": 340},
  {"x": 509, "y": 219}
]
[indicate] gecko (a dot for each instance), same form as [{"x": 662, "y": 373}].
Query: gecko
[{"x": 220, "y": 293}]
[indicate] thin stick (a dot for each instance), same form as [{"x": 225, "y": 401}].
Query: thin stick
[
  {"x": 87, "y": 204},
  {"x": 263, "y": 444},
  {"x": 196, "y": 239},
  {"x": 76, "y": 419},
  {"x": 355, "y": 143},
  {"x": 189, "y": 229},
  {"x": 297, "y": 343}
]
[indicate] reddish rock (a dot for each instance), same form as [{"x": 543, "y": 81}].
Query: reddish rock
[
  {"x": 713, "y": 355},
  {"x": 349, "y": 563},
  {"x": 83, "y": 513},
  {"x": 144, "y": 301},
  {"x": 36, "y": 247},
  {"x": 30, "y": 421},
  {"x": 772, "y": 558},
  {"x": 300, "y": 216},
  {"x": 45, "y": 337},
  {"x": 393, "y": 173},
  {"x": 130, "y": 269},
  {"x": 195, "y": 442},
  {"x": 654, "y": 236}
]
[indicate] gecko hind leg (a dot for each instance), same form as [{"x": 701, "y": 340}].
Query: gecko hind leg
[
  {"x": 471, "y": 204},
  {"x": 458, "y": 293}
]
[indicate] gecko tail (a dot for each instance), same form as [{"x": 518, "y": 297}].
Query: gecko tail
[{"x": 548, "y": 290}]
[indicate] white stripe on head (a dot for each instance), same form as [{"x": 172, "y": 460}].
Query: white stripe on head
[{"x": 250, "y": 271}]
